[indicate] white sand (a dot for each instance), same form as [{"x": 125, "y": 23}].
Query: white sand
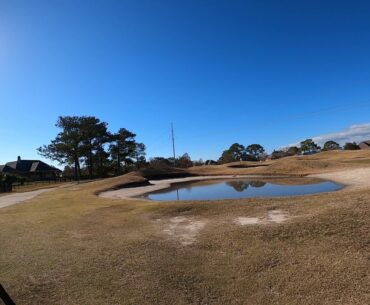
[{"x": 352, "y": 178}]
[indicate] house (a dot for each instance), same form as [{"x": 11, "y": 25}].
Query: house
[
  {"x": 33, "y": 169},
  {"x": 364, "y": 145}
]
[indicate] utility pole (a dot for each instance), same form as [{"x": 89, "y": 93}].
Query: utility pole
[{"x": 173, "y": 146}]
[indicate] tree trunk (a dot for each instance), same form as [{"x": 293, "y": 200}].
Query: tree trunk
[
  {"x": 77, "y": 169},
  {"x": 118, "y": 164},
  {"x": 90, "y": 164},
  {"x": 100, "y": 165}
]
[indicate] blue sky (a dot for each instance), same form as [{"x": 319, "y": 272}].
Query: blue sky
[{"x": 268, "y": 72}]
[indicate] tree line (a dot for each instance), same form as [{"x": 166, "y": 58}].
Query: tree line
[
  {"x": 87, "y": 148},
  {"x": 256, "y": 152},
  {"x": 309, "y": 146}
]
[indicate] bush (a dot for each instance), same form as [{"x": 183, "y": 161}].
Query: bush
[{"x": 7, "y": 181}]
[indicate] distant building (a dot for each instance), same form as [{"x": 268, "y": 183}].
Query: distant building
[
  {"x": 33, "y": 169},
  {"x": 364, "y": 145},
  {"x": 210, "y": 162}
]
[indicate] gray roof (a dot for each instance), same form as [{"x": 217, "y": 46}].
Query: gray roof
[
  {"x": 28, "y": 166},
  {"x": 34, "y": 166},
  {"x": 6, "y": 169}
]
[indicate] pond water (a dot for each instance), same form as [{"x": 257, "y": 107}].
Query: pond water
[{"x": 241, "y": 188}]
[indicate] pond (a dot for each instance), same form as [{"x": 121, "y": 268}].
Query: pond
[{"x": 217, "y": 189}]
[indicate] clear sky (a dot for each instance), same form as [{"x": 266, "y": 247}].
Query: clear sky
[{"x": 268, "y": 72}]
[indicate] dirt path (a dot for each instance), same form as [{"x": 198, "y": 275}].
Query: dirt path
[{"x": 15, "y": 198}]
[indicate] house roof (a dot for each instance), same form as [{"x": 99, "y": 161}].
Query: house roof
[
  {"x": 366, "y": 142},
  {"x": 6, "y": 169},
  {"x": 27, "y": 166}
]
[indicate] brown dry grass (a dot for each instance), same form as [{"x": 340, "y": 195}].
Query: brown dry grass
[{"x": 69, "y": 246}]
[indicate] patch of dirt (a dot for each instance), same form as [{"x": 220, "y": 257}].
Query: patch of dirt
[
  {"x": 243, "y": 221},
  {"x": 274, "y": 216},
  {"x": 277, "y": 216},
  {"x": 184, "y": 229}
]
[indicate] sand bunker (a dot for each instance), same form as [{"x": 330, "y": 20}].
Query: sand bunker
[
  {"x": 274, "y": 216},
  {"x": 353, "y": 178},
  {"x": 184, "y": 229}
]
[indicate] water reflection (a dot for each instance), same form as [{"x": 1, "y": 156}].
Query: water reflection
[{"x": 240, "y": 185}]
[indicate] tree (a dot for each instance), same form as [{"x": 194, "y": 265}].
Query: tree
[
  {"x": 102, "y": 161},
  {"x": 351, "y": 146},
  {"x": 256, "y": 150},
  {"x": 292, "y": 151},
  {"x": 184, "y": 161},
  {"x": 140, "y": 154},
  {"x": 122, "y": 148},
  {"x": 236, "y": 152},
  {"x": 309, "y": 146},
  {"x": 160, "y": 162},
  {"x": 66, "y": 147},
  {"x": 277, "y": 154},
  {"x": 331, "y": 145},
  {"x": 199, "y": 162},
  {"x": 94, "y": 134},
  {"x": 85, "y": 139}
]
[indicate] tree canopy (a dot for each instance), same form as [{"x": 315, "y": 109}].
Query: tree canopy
[
  {"x": 331, "y": 145},
  {"x": 238, "y": 152},
  {"x": 256, "y": 150},
  {"x": 309, "y": 146},
  {"x": 235, "y": 153},
  {"x": 86, "y": 141},
  {"x": 351, "y": 146},
  {"x": 293, "y": 150}
]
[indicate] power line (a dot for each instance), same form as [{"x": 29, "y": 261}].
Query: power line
[{"x": 173, "y": 146}]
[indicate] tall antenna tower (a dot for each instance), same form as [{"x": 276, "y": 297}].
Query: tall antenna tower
[{"x": 173, "y": 146}]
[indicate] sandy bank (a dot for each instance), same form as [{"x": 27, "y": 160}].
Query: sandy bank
[{"x": 353, "y": 178}]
